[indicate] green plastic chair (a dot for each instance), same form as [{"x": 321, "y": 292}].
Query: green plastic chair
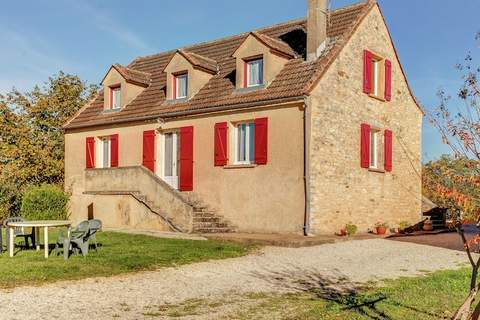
[
  {"x": 95, "y": 225},
  {"x": 18, "y": 231},
  {"x": 78, "y": 240}
]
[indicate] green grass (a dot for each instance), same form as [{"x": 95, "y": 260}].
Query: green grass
[
  {"x": 119, "y": 253},
  {"x": 434, "y": 296}
]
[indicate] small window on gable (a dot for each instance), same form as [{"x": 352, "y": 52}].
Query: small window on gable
[
  {"x": 376, "y": 149},
  {"x": 115, "y": 97},
  {"x": 253, "y": 72},
  {"x": 377, "y": 80},
  {"x": 244, "y": 137},
  {"x": 180, "y": 86}
]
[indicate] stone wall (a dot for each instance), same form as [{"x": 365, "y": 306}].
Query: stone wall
[{"x": 341, "y": 191}]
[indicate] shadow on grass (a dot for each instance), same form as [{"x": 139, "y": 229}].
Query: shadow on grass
[{"x": 337, "y": 289}]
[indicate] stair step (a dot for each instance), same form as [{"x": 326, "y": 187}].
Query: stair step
[
  {"x": 206, "y": 219},
  {"x": 213, "y": 230},
  {"x": 197, "y": 225}
]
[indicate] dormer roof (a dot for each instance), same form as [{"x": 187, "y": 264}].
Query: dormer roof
[
  {"x": 132, "y": 76},
  {"x": 199, "y": 62},
  {"x": 276, "y": 45}
]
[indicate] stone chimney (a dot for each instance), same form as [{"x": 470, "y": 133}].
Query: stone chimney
[{"x": 316, "y": 27}]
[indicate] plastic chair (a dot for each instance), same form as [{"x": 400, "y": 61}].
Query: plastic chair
[{"x": 17, "y": 231}]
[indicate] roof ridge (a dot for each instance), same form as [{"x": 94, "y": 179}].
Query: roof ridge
[
  {"x": 243, "y": 34},
  {"x": 225, "y": 38},
  {"x": 353, "y": 5}
]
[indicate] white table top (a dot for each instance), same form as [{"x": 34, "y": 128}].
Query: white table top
[{"x": 40, "y": 223}]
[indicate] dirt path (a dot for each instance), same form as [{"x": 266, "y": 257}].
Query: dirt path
[{"x": 270, "y": 270}]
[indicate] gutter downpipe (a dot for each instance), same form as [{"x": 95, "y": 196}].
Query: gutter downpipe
[{"x": 306, "y": 165}]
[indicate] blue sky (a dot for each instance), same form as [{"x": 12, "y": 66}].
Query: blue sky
[{"x": 85, "y": 37}]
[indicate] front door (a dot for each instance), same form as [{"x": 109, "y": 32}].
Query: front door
[{"x": 170, "y": 163}]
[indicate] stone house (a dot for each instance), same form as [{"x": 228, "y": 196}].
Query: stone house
[{"x": 300, "y": 127}]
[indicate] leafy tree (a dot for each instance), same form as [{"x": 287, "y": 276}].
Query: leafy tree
[
  {"x": 453, "y": 184},
  {"x": 459, "y": 126},
  {"x": 31, "y": 136}
]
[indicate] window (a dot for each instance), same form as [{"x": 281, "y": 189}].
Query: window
[
  {"x": 115, "y": 97},
  {"x": 376, "y": 77},
  {"x": 374, "y": 149},
  {"x": 104, "y": 152},
  {"x": 180, "y": 89},
  {"x": 254, "y": 72},
  {"x": 245, "y": 143},
  {"x": 377, "y": 80}
]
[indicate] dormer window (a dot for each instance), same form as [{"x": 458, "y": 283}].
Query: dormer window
[
  {"x": 180, "y": 85},
  {"x": 115, "y": 97},
  {"x": 254, "y": 72}
]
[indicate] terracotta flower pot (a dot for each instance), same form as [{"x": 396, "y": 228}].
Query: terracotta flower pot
[
  {"x": 428, "y": 226},
  {"x": 342, "y": 233},
  {"x": 381, "y": 230}
]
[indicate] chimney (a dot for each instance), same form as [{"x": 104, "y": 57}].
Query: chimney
[{"x": 316, "y": 27}]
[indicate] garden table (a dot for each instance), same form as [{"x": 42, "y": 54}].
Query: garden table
[{"x": 36, "y": 225}]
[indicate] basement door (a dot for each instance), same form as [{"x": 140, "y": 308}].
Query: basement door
[{"x": 171, "y": 158}]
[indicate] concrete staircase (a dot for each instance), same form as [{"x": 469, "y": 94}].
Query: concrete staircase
[
  {"x": 183, "y": 212},
  {"x": 205, "y": 218}
]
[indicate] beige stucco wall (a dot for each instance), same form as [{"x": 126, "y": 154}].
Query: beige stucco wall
[
  {"x": 128, "y": 91},
  {"x": 196, "y": 78},
  {"x": 267, "y": 198},
  {"x": 272, "y": 63},
  {"x": 341, "y": 191}
]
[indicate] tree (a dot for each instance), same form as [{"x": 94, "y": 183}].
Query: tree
[
  {"x": 459, "y": 126},
  {"x": 31, "y": 136}
]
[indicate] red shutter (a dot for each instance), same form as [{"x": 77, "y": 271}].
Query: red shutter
[
  {"x": 149, "y": 150},
  {"x": 90, "y": 152},
  {"x": 186, "y": 159},
  {"x": 367, "y": 71},
  {"x": 221, "y": 131},
  {"x": 114, "y": 150},
  {"x": 388, "y": 142},
  {"x": 365, "y": 146},
  {"x": 388, "y": 80},
  {"x": 261, "y": 140}
]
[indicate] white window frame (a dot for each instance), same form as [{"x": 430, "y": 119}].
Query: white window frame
[
  {"x": 375, "y": 145},
  {"x": 260, "y": 70},
  {"x": 376, "y": 77},
  {"x": 177, "y": 87},
  {"x": 248, "y": 156},
  {"x": 114, "y": 99},
  {"x": 100, "y": 153}
]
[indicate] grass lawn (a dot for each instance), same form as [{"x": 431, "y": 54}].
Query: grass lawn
[
  {"x": 435, "y": 296},
  {"x": 119, "y": 253}
]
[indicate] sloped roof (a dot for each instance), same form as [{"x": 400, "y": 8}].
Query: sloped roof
[
  {"x": 293, "y": 82},
  {"x": 274, "y": 44},
  {"x": 133, "y": 76},
  {"x": 199, "y": 61}
]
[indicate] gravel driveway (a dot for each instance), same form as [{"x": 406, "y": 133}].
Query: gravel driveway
[{"x": 269, "y": 270}]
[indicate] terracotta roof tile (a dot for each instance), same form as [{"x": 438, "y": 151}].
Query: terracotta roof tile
[
  {"x": 276, "y": 45},
  {"x": 197, "y": 60},
  {"x": 292, "y": 82},
  {"x": 133, "y": 76}
]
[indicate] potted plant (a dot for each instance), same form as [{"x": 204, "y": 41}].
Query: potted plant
[
  {"x": 342, "y": 232},
  {"x": 381, "y": 228},
  {"x": 428, "y": 225},
  {"x": 351, "y": 229}
]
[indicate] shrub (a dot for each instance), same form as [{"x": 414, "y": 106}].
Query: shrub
[
  {"x": 351, "y": 229},
  {"x": 45, "y": 202}
]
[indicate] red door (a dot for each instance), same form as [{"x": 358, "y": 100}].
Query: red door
[
  {"x": 186, "y": 159},
  {"x": 149, "y": 150}
]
